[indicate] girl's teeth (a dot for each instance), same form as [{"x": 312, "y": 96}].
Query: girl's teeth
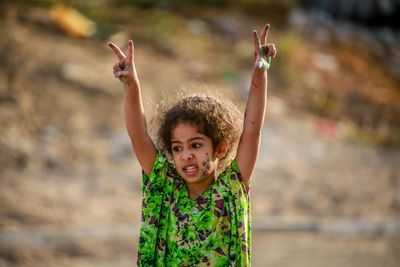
[{"x": 191, "y": 169}]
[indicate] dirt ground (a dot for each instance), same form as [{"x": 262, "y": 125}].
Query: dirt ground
[
  {"x": 69, "y": 182},
  {"x": 269, "y": 249}
]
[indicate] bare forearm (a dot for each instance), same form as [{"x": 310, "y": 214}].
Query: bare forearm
[
  {"x": 135, "y": 119},
  {"x": 134, "y": 113},
  {"x": 249, "y": 144},
  {"x": 137, "y": 127},
  {"x": 256, "y": 102}
]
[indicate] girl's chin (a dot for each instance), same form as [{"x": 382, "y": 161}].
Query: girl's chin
[
  {"x": 199, "y": 177},
  {"x": 190, "y": 178},
  {"x": 190, "y": 175}
]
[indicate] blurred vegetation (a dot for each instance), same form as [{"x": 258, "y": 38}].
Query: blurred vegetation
[
  {"x": 288, "y": 43},
  {"x": 165, "y": 25},
  {"x": 259, "y": 7}
]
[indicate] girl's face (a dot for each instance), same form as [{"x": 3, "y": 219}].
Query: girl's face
[{"x": 193, "y": 155}]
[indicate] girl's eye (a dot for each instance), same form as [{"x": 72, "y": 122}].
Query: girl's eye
[
  {"x": 196, "y": 145},
  {"x": 176, "y": 148}
]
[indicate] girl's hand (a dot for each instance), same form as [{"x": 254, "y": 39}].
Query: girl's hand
[
  {"x": 263, "y": 51},
  {"x": 124, "y": 70}
]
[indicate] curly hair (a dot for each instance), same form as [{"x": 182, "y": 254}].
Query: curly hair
[{"x": 219, "y": 120}]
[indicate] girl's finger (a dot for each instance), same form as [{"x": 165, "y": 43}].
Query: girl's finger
[
  {"x": 264, "y": 34},
  {"x": 122, "y": 74},
  {"x": 117, "y": 51},
  {"x": 130, "y": 51},
  {"x": 256, "y": 41},
  {"x": 115, "y": 68},
  {"x": 272, "y": 50}
]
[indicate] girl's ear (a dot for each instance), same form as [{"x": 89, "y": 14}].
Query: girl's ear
[{"x": 221, "y": 150}]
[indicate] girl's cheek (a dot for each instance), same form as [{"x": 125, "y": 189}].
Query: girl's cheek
[{"x": 208, "y": 162}]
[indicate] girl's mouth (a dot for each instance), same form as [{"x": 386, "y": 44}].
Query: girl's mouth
[{"x": 191, "y": 170}]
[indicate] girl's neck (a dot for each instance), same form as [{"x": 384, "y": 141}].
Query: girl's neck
[{"x": 196, "y": 189}]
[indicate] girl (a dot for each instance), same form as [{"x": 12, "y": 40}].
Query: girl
[{"x": 190, "y": 215}]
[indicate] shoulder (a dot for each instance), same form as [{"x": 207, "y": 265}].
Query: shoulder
[
  {"x": 161, "y": 172},
  {"x": 232, "y": 176},
  {"x": 160, "y": 164}
]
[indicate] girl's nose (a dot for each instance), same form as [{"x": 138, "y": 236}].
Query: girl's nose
[{"x": 187, "y": 155}]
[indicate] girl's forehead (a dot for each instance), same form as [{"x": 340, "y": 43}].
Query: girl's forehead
[
  {"x": 185, "y": 127},
  {"x": 186, "y": 131}
]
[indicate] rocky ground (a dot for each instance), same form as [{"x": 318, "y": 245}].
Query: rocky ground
[{"x": 327, "y": 185}]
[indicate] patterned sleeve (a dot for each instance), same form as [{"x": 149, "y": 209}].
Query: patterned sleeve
[
  {"x": 236, "y": 171},
  {"x": 155, "y": 189},
  {"x": 160, "y": 166},
  {"x": 239, "y": 204}
]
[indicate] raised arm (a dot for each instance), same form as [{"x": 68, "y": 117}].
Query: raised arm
[
  {"x": 249, "y": 144},
  {"x": 135, "y": 119}
]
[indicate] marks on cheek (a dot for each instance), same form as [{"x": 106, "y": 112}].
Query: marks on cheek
[{"x": 208, "y": 162}]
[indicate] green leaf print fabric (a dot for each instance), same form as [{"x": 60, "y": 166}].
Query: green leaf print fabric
[{"x": 212, "y": 230}]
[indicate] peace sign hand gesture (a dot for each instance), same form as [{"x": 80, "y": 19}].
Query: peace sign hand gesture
[
  {"x": 263, "y": 51},
  {"x": 124, "y": 70}
]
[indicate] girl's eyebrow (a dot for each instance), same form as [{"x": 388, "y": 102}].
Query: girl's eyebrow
[{"x": 189, "y": 140}]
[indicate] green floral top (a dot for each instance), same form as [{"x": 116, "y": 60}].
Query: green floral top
[{"x": 213, "y": 230}]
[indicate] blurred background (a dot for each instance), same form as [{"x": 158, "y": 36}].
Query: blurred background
[{"x": 326, "y": 190}]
